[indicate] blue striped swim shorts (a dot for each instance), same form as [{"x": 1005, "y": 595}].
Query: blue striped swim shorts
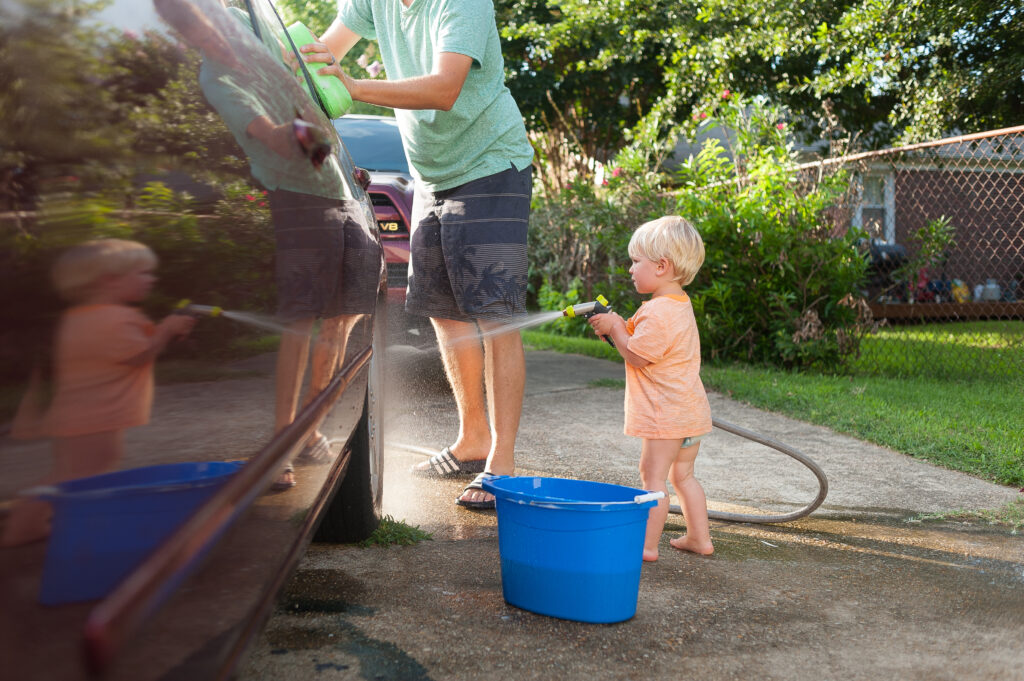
[{"x": 468, "y": 249}]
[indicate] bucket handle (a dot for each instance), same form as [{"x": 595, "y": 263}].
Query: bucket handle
[
  {"x": 44, "y": 491},
  {"x": 638, "y": 499}
]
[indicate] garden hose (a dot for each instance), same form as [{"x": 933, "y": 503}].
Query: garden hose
[
  {"x": 788, "y": 451},
  {"x": 722, "y": 515}
]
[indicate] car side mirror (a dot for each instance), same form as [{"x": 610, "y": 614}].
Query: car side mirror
[{"x": 362, "y": 178}]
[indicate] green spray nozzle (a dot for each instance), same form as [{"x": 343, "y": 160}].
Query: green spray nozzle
[
  {"x": 588, "y": 310},
  {"x": 188, "y": 307}
]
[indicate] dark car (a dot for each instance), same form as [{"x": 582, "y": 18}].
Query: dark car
[
  {"x": 181, "y": 125},
  {"x": 376, "y": 145}
]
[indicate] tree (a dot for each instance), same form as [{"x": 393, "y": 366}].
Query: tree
[
  {"x": 905, "y": 70},
  {"x": 586, "y": 72},
  {"x": 595, "y": 77}
]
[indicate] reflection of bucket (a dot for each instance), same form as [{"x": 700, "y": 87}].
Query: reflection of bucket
[
  {"x": 105, "y": 525},
  {"x": 570, "y": 548}
]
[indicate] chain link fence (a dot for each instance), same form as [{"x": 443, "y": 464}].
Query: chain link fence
[{"x": 945, "y": 221}]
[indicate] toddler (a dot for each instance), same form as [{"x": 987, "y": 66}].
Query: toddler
[
  {"x": 102, "y": 370},
  {"x": 666, "y": 405}
]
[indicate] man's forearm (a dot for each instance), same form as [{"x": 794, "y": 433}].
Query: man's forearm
[{"x": 435, "y": 91}]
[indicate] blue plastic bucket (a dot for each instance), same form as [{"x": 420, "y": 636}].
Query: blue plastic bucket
[
  {"x": 570, "y": 548},
  {"x": 105, "y": 525}
]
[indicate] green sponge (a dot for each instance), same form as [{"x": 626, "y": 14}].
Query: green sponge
[{"x": 333, "y": 94}]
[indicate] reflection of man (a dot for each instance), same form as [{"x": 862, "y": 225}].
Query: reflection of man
[
  {"x": 320, "y": 241},
  {"x": 467, "y": 145}
]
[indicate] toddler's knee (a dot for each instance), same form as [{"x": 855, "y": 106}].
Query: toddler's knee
[{"x": 681, "y": 475}]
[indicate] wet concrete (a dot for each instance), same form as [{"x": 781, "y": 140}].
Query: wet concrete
[{"x": 858, "y": 590}]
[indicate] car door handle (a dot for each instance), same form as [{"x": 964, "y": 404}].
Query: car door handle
[{"x": 312, "y": 141}]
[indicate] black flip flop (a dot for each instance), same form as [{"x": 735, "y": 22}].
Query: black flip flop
[
  {"x": 281, "y": 485},
  {"x": 477, "y": 484},
  {"x": 445, "y": 465},
  {"x": 318, "y": 452}
]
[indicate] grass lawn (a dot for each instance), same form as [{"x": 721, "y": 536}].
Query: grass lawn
[
  {"x": 971, "y": 424},
  {"x": 989, "y": 350}
]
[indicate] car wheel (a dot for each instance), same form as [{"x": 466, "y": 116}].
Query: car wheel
[{"x": 354, "y": 512}]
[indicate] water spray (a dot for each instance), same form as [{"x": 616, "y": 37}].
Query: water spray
[{"x": 588, "y": 310}]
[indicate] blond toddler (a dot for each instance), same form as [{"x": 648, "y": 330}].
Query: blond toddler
[
  {"x": 102, "y": 369},
  {"x": 666, "y": 405}
]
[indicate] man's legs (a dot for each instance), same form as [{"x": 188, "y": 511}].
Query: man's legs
[
  {"x": 291, "y": 367},
  {"x": 505, "y": 380},
  {"x": 328, "y": 348},
  {"x": 463, "y": 358},
  {"x": 488, "y": 380}
]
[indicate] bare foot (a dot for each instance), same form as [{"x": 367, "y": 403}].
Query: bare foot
[
  {"x": 650, "y": 555},
  {"x": 685, "y": 543}
]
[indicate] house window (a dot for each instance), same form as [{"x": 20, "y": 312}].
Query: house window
[{"x": 875, "y": 212}]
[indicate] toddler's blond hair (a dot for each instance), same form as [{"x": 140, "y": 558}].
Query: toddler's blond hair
[
  {"x": 674, "y": 239},
  {"x": 80, "y": 267}
]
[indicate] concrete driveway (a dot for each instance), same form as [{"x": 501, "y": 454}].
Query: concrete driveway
[{"x": 854, "y": 591}]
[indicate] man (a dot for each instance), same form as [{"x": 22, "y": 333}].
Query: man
[{"x": 468, "y": 149}]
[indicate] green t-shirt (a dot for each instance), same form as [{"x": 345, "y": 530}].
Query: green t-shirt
[{"x": 483, "y": 133}]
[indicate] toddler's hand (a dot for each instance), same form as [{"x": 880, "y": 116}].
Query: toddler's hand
[
  {"x": 178, "y": 324},
  {"x": 604, "y": 323}
]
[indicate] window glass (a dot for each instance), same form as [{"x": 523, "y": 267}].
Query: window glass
[{"x": 874, "y": 191}]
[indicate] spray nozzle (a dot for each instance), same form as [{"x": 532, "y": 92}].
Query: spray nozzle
[
  {"x": 588, "y": 310},
  {"x": 189, "y": 308}
]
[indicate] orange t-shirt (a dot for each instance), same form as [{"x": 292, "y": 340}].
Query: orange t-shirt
[
  {"x": 665, "y": 400},
  {"x": 94, "y": 390}
]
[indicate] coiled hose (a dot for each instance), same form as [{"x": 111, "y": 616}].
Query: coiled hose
[{"x": 722, "y": 515}]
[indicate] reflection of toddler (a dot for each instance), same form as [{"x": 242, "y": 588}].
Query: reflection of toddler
[
  {"x": 666, "y": 405},
  {"x": 102, "y": 369}
]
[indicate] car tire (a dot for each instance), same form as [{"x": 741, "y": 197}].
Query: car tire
[{"x": 354, "y": 512}]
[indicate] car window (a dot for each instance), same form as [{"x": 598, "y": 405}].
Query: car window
[{"x": 375, "y": 145}]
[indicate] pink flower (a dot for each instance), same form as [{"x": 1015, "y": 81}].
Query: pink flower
[
  {"x": 725, "y": 95},
  {"x": 780, "y": 126},
  {"x": 703, "y": 115},
  {"x": 374, "y": 68},
  {"x": 616, "y": 172},
  {"x": 250, "y": 197},
  {"x": 262, "y": 204}
]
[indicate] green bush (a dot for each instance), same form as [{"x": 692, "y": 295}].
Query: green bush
[
  {"x": 578, "y": 244},
  {"x": 780, "y": 283},
  {"x": 222, "y": 256}
]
